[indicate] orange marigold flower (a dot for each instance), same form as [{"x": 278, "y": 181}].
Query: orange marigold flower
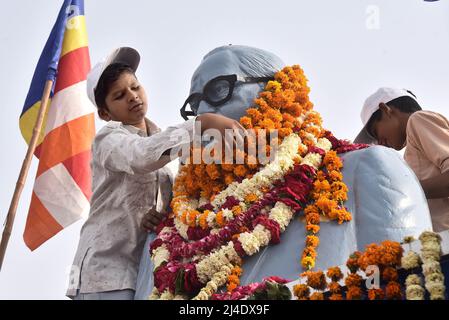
[
  {"x": 312, "y": 241},
  {"x": 334, "y": 273},
  {"x": 335, "y": 297},
  {"x": 390, "y": 274},
  {"x": 220, "y": 219},
  {"x": 340, "y": 195},
  {"x": 240, "y": 170},
  {"x": 335, "y": 175},
  {"x": 354, "y": 293},
  {"x": 391, "y": 253},
  {"x": 393, "y": 291},
  {"x": 309, "y": 251},
  {"x": 255, "y": 114},
  {"x": 227, "y": 167},
  {"x": 326, "y": 205},
  {"x": 317, "y": 296},
  {"x": 228, "y": 178},
  {"x": 237, "y": 271},
  {"x": 341, "y": 215},
  {"x": 332, "y": 161},
  {"x": 233, "y": 278},
  {"x": 312, "y": 218},
  {"x": 311, "y": 209},
  {"x": 307, "y": 262},
  {"x": 251, "y": 197},
  {"x": 246, "y": 122},
  {"x": 294, "y": 109},
  {"x": 274, "y": 115},
  {"x": 376, "y": 294},
  {"x": 273, "y": 86},
  {"x": 313, "y": 228},
  {"x": 212, "y": 171},
  {"x": 284, "y": 132},
  {"x": 321, "y": 185},
  {"x": 262, "y": 102},
  {"x": 321, "y": 176},
  {"x": 334, "y": 287},
  {"x": 353, "y": 280},
  {"x": 198, "y": 169},
  {"x": 316, "y": 280},
  {"x": 231, "y": 286},
  {"x": 339, "y": 186},
  {"x": 266, "y": 124},
  {"x": 288, "y": 118},
  {"x": 203, "y": 219},
  {"x": 236, "y": 210},
  {"x": 184, "y": 217},
  {"x": 301, "y": 291},
  {"x": 302, "y": 150},
  {"x": 192, "y": 217}
]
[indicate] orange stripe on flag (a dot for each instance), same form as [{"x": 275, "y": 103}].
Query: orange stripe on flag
[
  {"x": 40, "y": 225},
  {"x": 66, "y": 141},
  {"x": 72, "y": 68},
  {"x": 79, "y": 168}
]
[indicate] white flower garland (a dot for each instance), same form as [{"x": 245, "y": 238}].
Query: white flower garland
[
  {"x": 275, "y": 170},
  {"x": 430, "y": 255}
]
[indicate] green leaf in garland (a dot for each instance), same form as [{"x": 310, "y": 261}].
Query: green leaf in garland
[{"x": 179, "y": 288}]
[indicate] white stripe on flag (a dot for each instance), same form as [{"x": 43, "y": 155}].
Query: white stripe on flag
[
  {"x": 68, "y": 104},
  {"x": 61, "y": 196}
]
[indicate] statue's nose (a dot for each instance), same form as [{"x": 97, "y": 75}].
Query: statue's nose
[{"x": 204, "y": 107}]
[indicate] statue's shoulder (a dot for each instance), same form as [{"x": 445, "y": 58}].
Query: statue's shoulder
[{"x": 374, "y": 158}]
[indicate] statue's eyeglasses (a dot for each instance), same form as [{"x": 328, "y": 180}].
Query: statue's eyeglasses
[{"x": 217, "y": 92}]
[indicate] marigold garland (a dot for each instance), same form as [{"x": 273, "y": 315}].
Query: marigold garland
[
  {"x": 234, "y": 278},
  {"x": 223, "y": 212},
  {"x": 301, "y": 291}
]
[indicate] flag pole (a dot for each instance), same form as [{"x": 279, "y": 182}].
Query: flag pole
[{"x": 24, "y": 171}]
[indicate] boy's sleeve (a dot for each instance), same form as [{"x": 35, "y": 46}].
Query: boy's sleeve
[
  {"x": 131, "y": 153},
  {"x": 429, "y": 132}
]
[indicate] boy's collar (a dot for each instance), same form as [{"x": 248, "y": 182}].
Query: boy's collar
[{"x": 152, "y": 128}]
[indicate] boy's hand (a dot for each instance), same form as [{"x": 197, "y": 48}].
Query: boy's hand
[
  {"x": 151, "y": 219},
  {"x": 218, "y": 122},
  {"x": 221, "y": 123}
]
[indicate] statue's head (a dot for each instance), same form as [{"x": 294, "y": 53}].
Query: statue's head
[{"x": 228, "y": 80}]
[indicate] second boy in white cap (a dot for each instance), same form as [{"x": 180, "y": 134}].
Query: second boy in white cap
[{"x": 393, "y": 118}]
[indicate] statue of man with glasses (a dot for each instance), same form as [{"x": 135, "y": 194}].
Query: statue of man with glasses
[{"x": 385, "y": 198}]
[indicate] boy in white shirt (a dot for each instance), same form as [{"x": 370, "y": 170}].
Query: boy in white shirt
[{"x": 129, "y": 155}]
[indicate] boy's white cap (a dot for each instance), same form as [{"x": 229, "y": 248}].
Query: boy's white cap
[
  {"x": 124, "y": 55},
  {"x": 371, "y": 105}
]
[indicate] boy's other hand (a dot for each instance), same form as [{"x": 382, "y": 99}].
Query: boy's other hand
[{"x": 151, "y": 219}]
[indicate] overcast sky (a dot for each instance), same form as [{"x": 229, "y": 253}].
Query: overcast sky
[{"x": 347, "y": 49}]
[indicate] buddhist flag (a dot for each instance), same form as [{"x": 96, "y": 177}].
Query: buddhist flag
[{"x": 62, "y": 188}]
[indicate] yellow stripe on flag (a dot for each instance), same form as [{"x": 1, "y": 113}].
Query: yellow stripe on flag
[
  {"x": 28, "y": 121},
  {"x": 75, "y": 35}
]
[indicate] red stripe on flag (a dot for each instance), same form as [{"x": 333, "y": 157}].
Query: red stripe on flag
[
  {"x": 66, "y": 141},
  {"x": 79, "y": 168},
  {"x": 73, "y": 67},
  {"x": 37, "y": 151},
  {"x": 40, "y": 225}
]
